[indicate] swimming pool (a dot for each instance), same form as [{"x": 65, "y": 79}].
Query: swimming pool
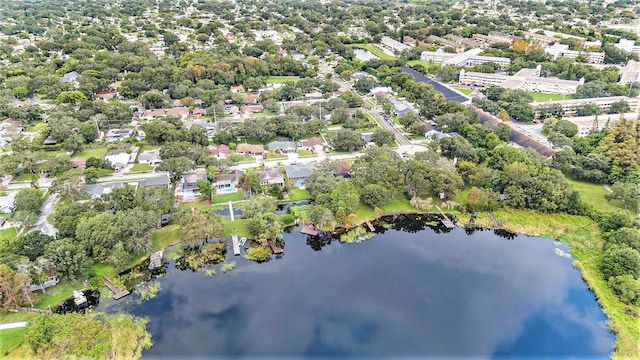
[
  {"x": 228, "y": 190},
  {"x": 300, "y": 184}
]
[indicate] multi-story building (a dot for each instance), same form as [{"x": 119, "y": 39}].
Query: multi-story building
[
  {"x": 467, "y": 58},
  {"x": 628, "y": 46},
  {"x": 557, "y": 50},
  {"x": 630, "y": 73},
  {"x": 570, "y": 107},
  {"x": 395, "y": 45},
  {"x": 525, "y": 79}
]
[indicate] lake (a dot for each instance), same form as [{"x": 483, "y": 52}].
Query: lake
[
  {"x": 413, "y": 290},
  {"x": 364, "y": 55}
]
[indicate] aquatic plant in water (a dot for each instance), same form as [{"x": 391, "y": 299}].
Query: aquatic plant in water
[
  {"x": 355, "y": 235},
  {"x": 228, "y": 267},
  {"x": 148, "y": 291}
]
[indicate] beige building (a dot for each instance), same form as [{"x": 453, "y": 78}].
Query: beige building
[
  {"x": 556, "y": 50},
  {"x": 467, "y": 58},
  {"x": 525, "y": 79},
  {"x": 570, "y": 107}
]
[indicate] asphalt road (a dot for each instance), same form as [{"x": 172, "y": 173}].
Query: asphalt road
[
  {"x": 517, "y": 136},
  {"x": 43, "y": 223}
]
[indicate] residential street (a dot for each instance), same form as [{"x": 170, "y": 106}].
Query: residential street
[{"x": 43, "y": 223}]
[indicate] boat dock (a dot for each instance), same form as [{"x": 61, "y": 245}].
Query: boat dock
[
  {"x": 275, "y": 248},
  {"x": 155, "y": 260},
  {"x": 370, "y": 226},
  {"x": 236, "y": 245},
  {"x": 496, "y": 224},
  {"x": 309, "y": 229},
  {"x": 231, "y": 215},
  {"x": 117, "y": 293},
  {"x": 446, "y": 221}
]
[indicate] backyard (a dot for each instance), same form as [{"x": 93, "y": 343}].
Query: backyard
[{"x": 87, "y": 153}]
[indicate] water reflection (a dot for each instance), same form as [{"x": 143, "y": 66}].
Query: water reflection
[
  {"x": 364, "y": 55},
  {"x": 409, "y": 291}
]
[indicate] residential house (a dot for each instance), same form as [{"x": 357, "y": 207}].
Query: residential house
[
  {"x": 312, "y": 144},
  {"x": 181, "y": 112},
  {"x": 282, "y": 146},
  {"x": 250, "y": 109},
  {"x": 11, "y": 123},
  {"x": 231, "y": 110},
  {"x": 162, "y": 181},
  {"x": 361, "y": 75},
  {"x": 7, "y": 202},
  {"x": 236, "y": 89},
  {"x": 118, "y": 159},
  {"x": 78, "y": 163},
  {"x": 250, "y": 99},
  {"x": 368, "y": 140},
  {"x": 71, "y": 77},
  {"x": 97, "y": 190},
  {"x": 341, "y": 169},
  {"x": 314, "y": 95},
  {"x": 199, "y": 112},
  {"x": 298, "y": 172},
  {"x": 118, "y": 134},
  {"x": 251, "y": 149},
  {"x": 271, "y": 176},
  {"x": 150, "y": 157},
  {"x": 230, "y": 180},
  {"x": 49, "y": 141},
  {"x": 219, "y": 151},
  {"x": 435, "y": 134},
  {"x": 153, "y": 113},
  {"x": 189, "y": 182},
  {"x": 106, "y": 95},
  {"x": 381, "y": 91}
]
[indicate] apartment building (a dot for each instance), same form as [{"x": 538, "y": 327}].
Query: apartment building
[
  {"x": 468, "y": 58},
  {"x": 630, "y": 73},
  {"x": 556, "y": 50},
  {"x": 525, "y": 79},
  {"x": 395, "y": 45},
  {"x": 570, "y": 107},
  {"x": 628, "y": 46}
]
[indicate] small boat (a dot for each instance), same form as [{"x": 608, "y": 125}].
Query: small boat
[{"x": 242, "y": 241}]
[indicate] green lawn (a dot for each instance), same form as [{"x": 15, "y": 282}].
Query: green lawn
[
  {"x": 464, "y": 91},
  {"x": 236, "y": 158},
  {"x": 225, "y": 198},
  {"x": 10, "y": 340},
  {"x": 429, "y": 66},
  {"x": 87, "y": 153},
  {"x": 375, "y": 51},
  {"x": 58, "y": 293},
  {"x": 27, "y": 177},
  {"x": 298, "y": 195},
  {"x": 8, "y": 234},
  {"x": 593, "y": 194},
  {"x": 235, "y": 227},
  {"x": 276, "y": 156},
  {"x": 540, "y": 97},
  {"x": 141, "y": 168},
  {"x": 280, "y": 79},
  {"x": 165, "y": 237},
  {"x": 306, "y": 153}
]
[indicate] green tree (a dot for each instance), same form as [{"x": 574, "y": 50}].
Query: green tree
[
  {"x": 153, "y": 99},
  {"x": 30, "y": 200},
  {"x": 196, "y": 227},
  {"x": 383, "y": 137},
  {"x": 88, "y": 132},
  {"x": 626, "y": 287},
  {"x": 32, "y": 244},
  {"x": 628, "y": 193},
  {"x": 69, "y": 257},
  {"x": 320, "y": 216},
  {"x": 620, "y": 260},
  {"x": 374, "y": 195},
  {"x": 347, "y": 140}
]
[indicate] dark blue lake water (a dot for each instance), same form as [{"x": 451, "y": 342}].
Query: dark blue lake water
[{"x": 405, "y": 292}]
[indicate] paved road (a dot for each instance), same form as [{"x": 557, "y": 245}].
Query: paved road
[
  {"x": 13, "y": 325},
  {"x": 517, "y": 136},
  {"x": 385, "y": 124},
  {"x": 43, "y": 223}
]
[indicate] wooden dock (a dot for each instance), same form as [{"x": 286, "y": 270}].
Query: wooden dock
[
  {"x": 370, "y": 226},
  {"x": 309, "y": 229},
  {"x": 236, "y": 245},
  {"x": 446, "y": 221},
  {"x": 496, "y": 224},
  {"x": 117, "y": 293},
  {"x": 231, "y": 215},
  {"x": 275, "y": 248}
]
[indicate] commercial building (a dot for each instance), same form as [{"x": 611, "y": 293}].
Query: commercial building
[
  {"x": 630, "y": 73},
  {"x": 467, "y": 58},
  {"x": 570, "y": 107},
  {"x": 525, "y": 79}
]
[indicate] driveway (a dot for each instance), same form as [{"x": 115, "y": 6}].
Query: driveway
[{"x": 43, "y": 223}]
